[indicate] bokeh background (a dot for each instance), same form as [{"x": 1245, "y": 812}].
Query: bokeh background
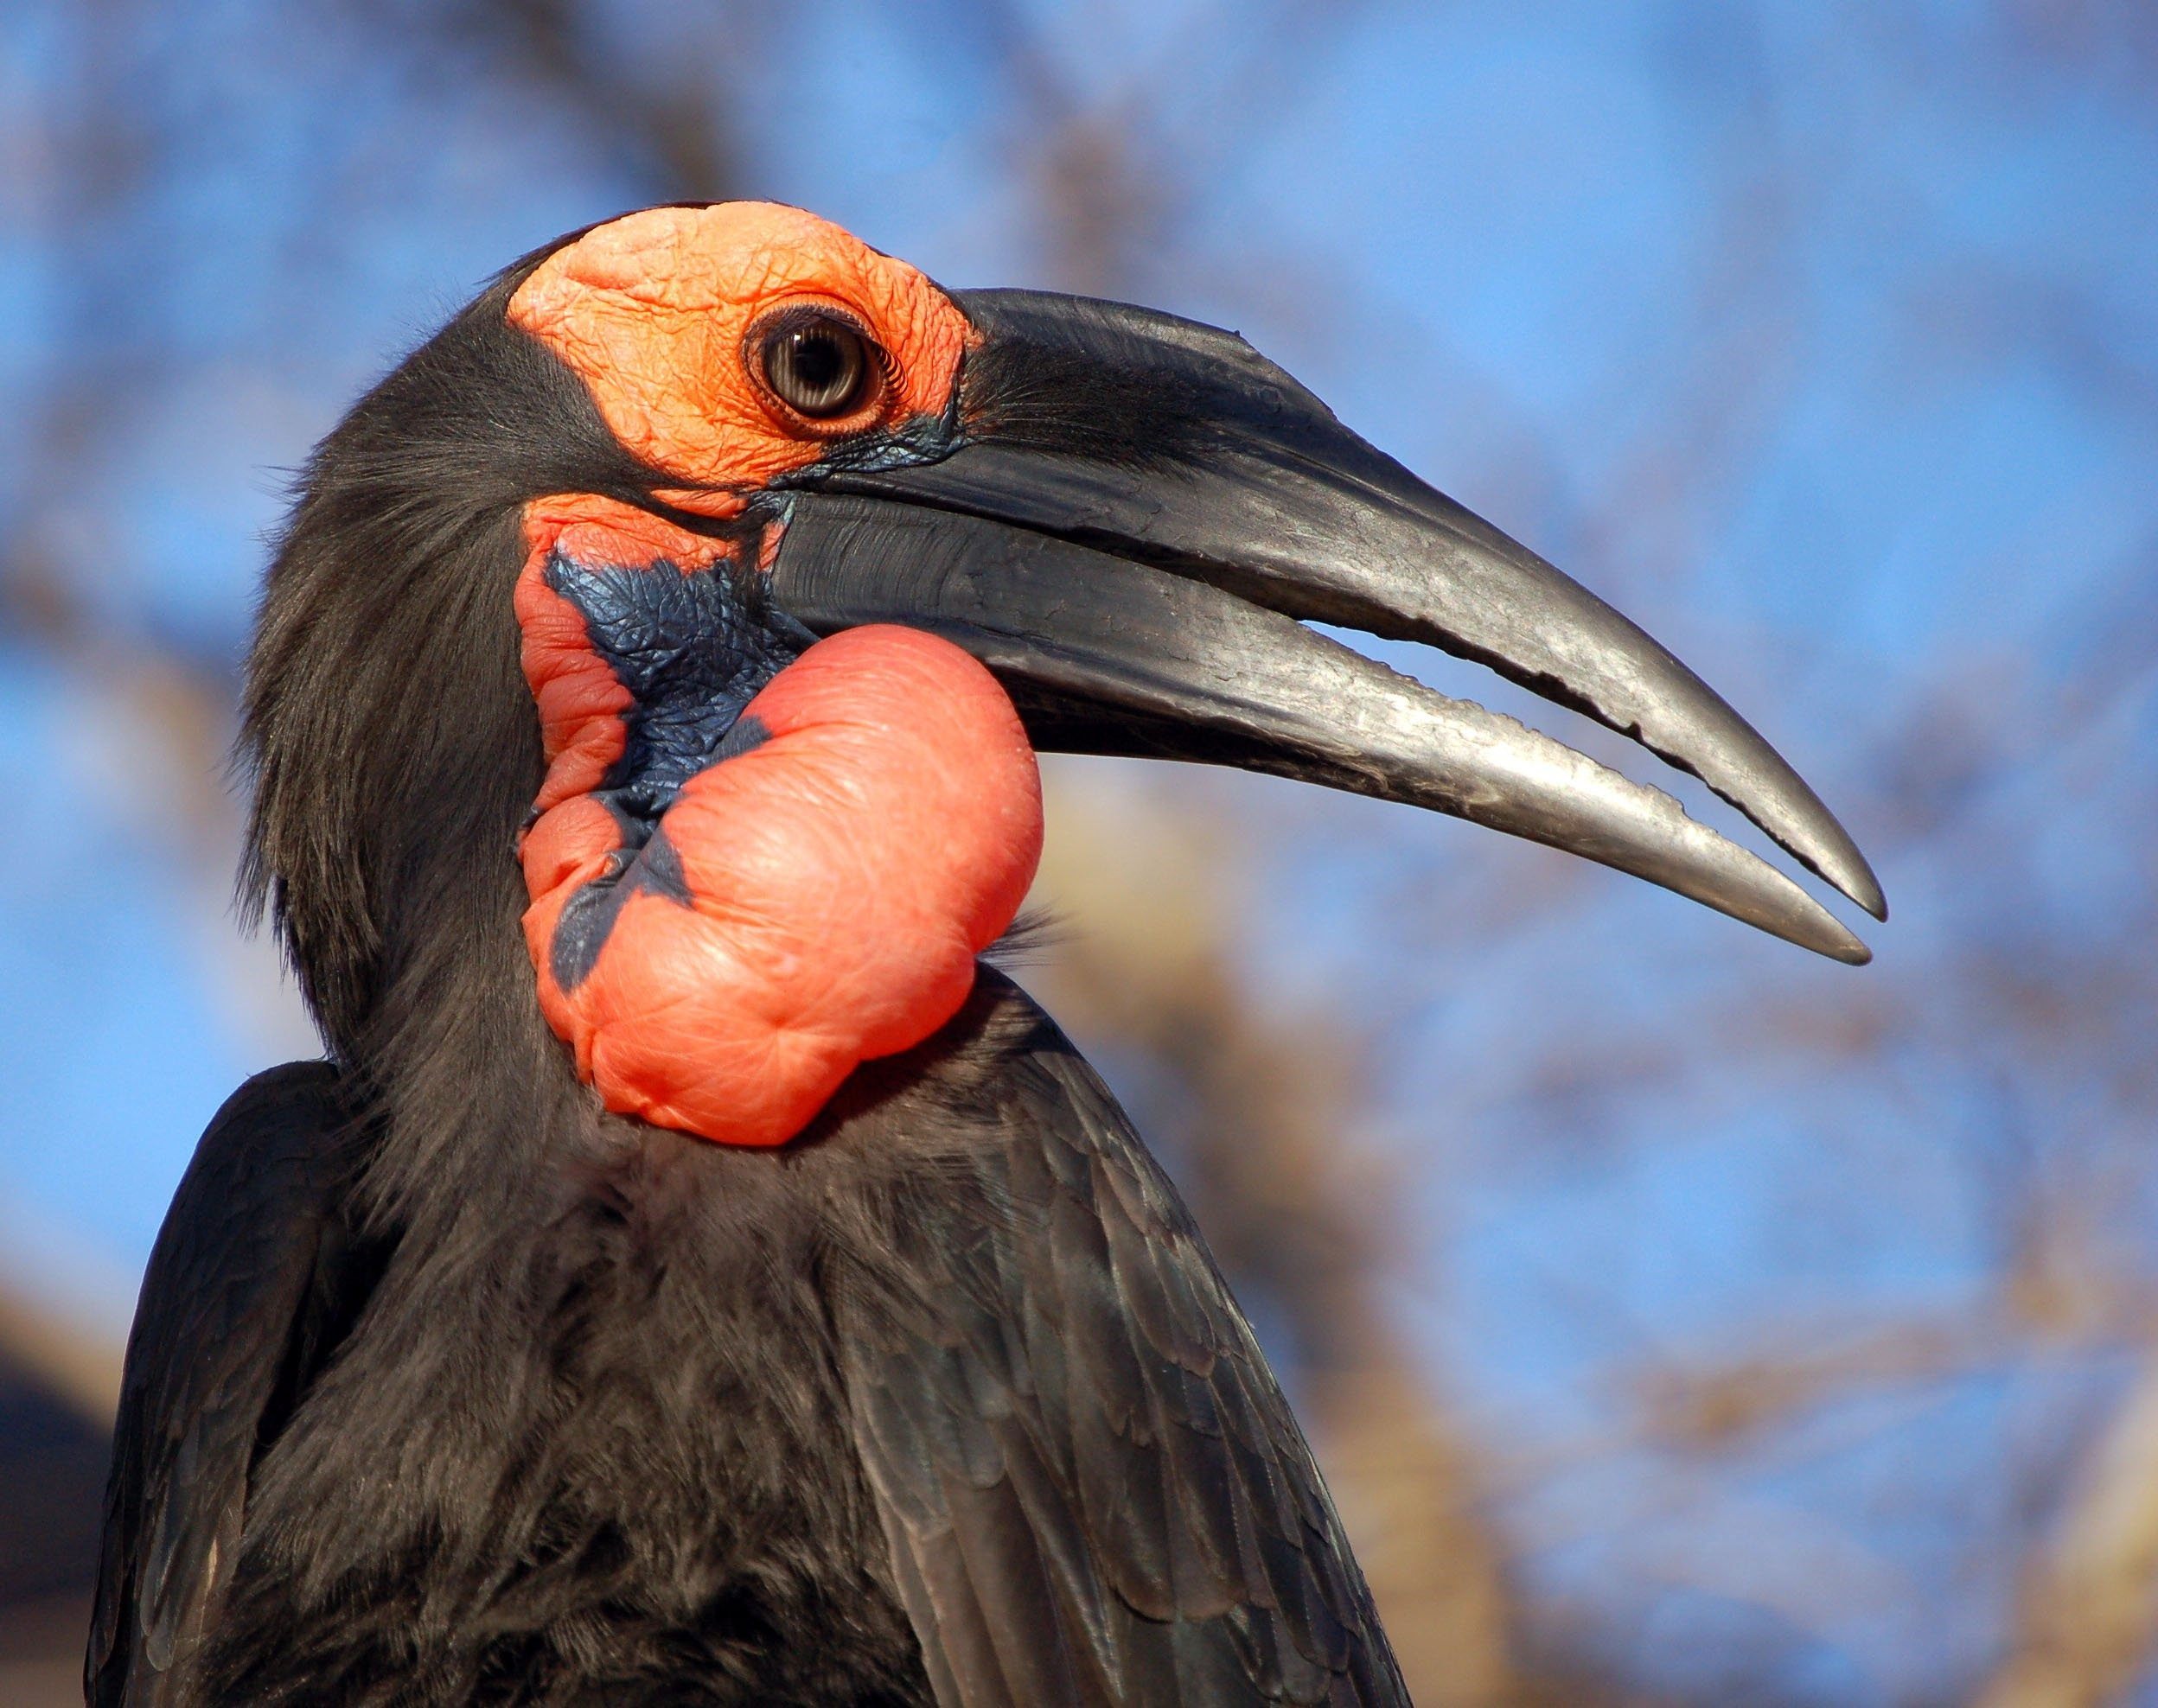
[{"x": 1681, "y": 1320}]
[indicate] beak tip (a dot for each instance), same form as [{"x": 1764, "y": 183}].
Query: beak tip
[
  {"x": 1825, "y": 934},
  {"x": 1857, "y": 880},
  {"x": 1798, "y": 919},
  {"x": 1852, "y": 952}
]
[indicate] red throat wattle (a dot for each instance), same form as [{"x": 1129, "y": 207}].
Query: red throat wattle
[{"x": 827, "y": 889}]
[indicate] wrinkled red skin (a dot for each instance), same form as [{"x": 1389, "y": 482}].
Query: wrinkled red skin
[{"x": 842, "y": 876}]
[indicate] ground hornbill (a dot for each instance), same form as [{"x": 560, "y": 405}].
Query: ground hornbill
[{"x": 692, "y": 1278}]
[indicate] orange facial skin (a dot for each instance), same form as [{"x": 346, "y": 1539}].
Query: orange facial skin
[
  {"x": 651, "y": 311},
  {"x": 816, "y": 899}
]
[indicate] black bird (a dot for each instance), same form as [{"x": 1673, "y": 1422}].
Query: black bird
[{"x": 691, "y": 1277}]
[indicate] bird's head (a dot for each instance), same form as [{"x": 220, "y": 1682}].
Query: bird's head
[{"x": 702, "y": 593}]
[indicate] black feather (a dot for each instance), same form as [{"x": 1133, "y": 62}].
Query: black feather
[
  {"x": 1046, "y": 1476},
  {"x": 255, "y": 1280}
]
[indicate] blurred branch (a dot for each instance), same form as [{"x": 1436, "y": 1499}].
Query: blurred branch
[
  {"x": 2087, "y": 1618},
  {"x": 1405, "y": 1482},
  {"x": 69, "y": 1357},
  {"x": 1121, "y": 171},
  {"x": 673, "y": 128},
  {"x": 1710, "y": 1408}
]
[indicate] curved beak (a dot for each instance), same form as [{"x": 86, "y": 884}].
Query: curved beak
[{"x": 1131, "y": 518}]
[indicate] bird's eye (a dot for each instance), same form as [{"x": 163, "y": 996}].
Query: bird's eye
[{"x": 820, "y": 366}]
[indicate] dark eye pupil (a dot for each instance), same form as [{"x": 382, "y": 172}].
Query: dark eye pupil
[{"x": 820, "y": 369}]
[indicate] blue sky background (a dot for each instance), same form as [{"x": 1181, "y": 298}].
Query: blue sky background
[{"x": 1822, "y": 337}]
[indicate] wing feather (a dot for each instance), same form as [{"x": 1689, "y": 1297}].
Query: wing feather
[
  {"x": 1093, "y": 1489},
  {"x": 239, "y": 1285}
]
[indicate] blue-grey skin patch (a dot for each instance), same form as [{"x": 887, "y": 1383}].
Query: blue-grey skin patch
[
  {"x": 588, "y": 917},
  {"x": 692, "y": 649}
]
